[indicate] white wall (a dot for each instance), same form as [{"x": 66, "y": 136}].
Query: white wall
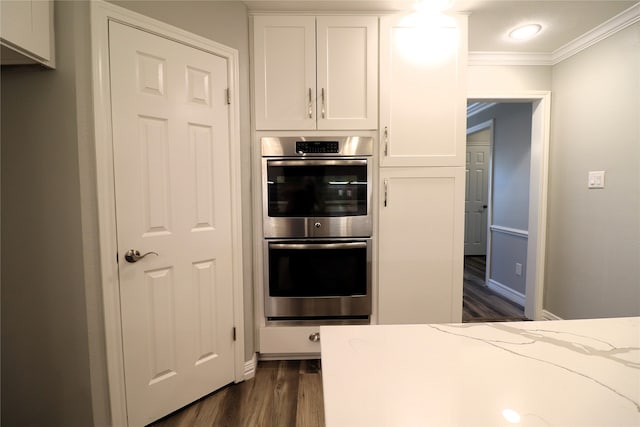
[
  {"x": 506, "y": 78},
  {"x": 225, "y": 22},
  {"x": 511, "y": 160},
  {"x": 593, "y": 241}
]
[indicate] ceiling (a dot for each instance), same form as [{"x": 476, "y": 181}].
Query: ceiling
[{"x": 489, "y": 20}]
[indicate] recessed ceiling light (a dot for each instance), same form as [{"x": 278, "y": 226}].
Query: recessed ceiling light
[{"x": 525, "y": 32}]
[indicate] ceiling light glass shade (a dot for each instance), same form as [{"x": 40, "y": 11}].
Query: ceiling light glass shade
[{"x": 525, "y": 32}]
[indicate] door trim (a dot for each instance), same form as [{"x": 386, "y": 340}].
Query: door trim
[
  {"x": 101, "y": 14},
  {"x": 538, "y": 186}
]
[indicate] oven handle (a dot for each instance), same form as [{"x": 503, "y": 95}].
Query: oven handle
[
  {"x": 338, "y": 245},
  {"x": 307, "y": 162}
]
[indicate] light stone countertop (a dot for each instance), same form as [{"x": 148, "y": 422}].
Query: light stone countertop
[{"x": 547, "y": 373}]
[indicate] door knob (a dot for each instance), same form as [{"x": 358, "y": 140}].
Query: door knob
[{"x": 133, "y": 255}]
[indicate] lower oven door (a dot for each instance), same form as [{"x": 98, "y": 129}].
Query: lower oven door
[{"x": 317, "y": 279}]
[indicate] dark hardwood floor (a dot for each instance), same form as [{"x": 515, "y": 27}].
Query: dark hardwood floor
[
  {"x": 479, "y": 303},
  {"x": 282, "y": 394},
  {"x": 289, "y": 393}
]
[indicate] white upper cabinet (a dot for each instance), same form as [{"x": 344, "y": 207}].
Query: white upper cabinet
[
  {"x": 26, "y": 28},
  {"x": 347, "y": 72},
  {"x": 285, "y": 72},
  {"x": 422, "y": 90},
  {"x": 315, "y": 73}
]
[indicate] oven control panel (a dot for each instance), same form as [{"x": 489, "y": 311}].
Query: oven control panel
[
  {"x": 316, "y": 146},
  {"x": 324, "y": 147}
]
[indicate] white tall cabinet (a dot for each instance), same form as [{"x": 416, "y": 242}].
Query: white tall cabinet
[
  {"x": 316, "y": 73},
  {"x": 421, "y": 180},
  {"x": 420, "y": 245}
]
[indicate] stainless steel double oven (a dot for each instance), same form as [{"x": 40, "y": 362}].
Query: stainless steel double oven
[{"x": 316, "y": 194}]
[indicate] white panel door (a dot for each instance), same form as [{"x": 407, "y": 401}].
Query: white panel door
[
  {"x": 422, "y": 91},
  {"x": 347, "y": 70},
  {"x": 284, "y": 49},
  {"x": 172, "y": 183},
  {"x": 420, "y": 245},
  {"x": 476, "y": 200}
]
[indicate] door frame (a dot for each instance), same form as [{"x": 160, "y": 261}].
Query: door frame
[
  {"x": 538, "y": 188},
  {"x": 473, "y": 129},
  {"x": 101, "y": 14}
]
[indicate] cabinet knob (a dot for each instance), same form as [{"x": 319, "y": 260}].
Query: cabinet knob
[{"x": 314, "y": 337}]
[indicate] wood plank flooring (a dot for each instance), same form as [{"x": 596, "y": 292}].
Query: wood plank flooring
[
  {"x": 282, "y": 394},
  {"x": 479, "y": 303},
  {"x": 289, "y": 393}
]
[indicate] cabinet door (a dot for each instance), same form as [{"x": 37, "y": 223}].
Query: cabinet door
[
  {"x": 27, "y": 27},
  {"x": 422, "y": 91},
  {"x": 347, "y": 70},
  {"x": 284, "y": 72},
  {"x": 420, "y": 258}
]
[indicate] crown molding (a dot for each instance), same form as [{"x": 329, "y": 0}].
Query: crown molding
[
  {"x": 599, "y": 33},
  {"x": 591, "y": 37}
]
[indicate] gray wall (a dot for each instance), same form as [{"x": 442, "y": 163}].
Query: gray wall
[
  {"x": 225, "y": 22},
  {"x": 510, "y": 207},
  {"x": 46, "y": 378},
  {"x": 593, "y": 241}
]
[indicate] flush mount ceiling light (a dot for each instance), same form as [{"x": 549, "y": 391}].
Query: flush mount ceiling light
[{"x": 525, "y": 32}]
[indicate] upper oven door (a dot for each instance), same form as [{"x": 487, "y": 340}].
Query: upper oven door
[{"x": 317, "y": 197}]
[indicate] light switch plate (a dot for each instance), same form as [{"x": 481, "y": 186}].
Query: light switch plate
[{"x": 596, "y": 179}]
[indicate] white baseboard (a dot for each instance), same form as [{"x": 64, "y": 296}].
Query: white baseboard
[
  {"x": 547, "y": 315},
  {"x": 506, "y": 292},
  {"x": 250, "y": 367}
]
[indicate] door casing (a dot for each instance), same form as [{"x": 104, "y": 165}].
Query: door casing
[
  {"x": 101, "y": 14},
  {"x": 538, "y": 187}
]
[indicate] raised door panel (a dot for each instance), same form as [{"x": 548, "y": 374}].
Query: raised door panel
[
  {"x": 420, "y": 245},
  {"x": 284, "y": 72},
  {"x": 422, "y": 91},
  {"x": 347, "y": 69}
]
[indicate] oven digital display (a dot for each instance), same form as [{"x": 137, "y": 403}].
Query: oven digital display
[{"x": 317, "y": 147}]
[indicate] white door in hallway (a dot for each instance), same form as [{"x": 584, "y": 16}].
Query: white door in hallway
[
  {"x": 172, "y": 183},
  {"x": 476, "y": 199}
]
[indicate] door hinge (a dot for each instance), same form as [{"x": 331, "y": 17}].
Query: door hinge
[
  {"x": 228, "y": 96},
  {"x": 117, "y": 258},
  {"x": 234, "y": 333}
]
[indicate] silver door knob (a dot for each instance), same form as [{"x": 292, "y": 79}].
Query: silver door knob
[
  {"x": 314, "y": 337},
  {"x": 133, "y": 255}
]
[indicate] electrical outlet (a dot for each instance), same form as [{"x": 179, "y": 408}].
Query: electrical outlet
[
  {"x": 518, "y": 269},
  {"x": 596, "y": 179}
]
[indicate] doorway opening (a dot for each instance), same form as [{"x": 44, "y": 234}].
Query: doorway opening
[{"x": 506, "y": 160}]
